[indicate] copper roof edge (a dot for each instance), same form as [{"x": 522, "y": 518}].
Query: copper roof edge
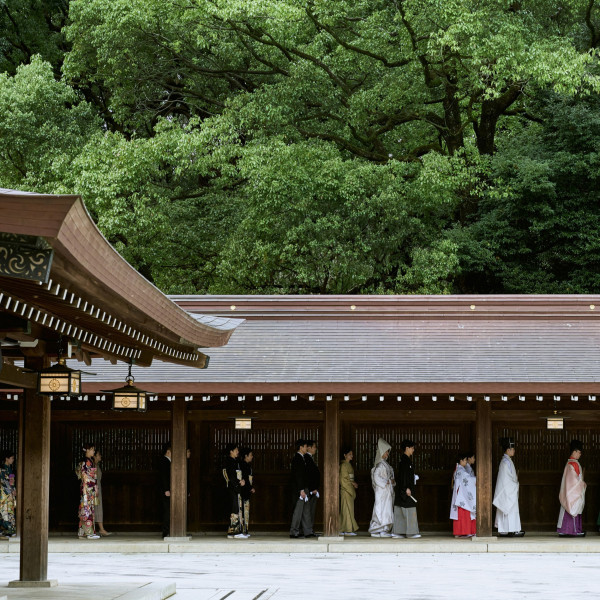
[{"x": 571, "y": 306}]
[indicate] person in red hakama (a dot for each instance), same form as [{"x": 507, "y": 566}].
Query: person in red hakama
[{"x": 464, "y": 500}]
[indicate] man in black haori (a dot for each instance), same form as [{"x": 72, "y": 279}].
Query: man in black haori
[
  {"x": 313, "y": 482},
  {"x": 235, "y": 483},
  {"x": 165, "y": 489},
  {"x": 247, "y": 490},
  {"x": 405, "y": 504},
  {"x": 300, "y": 493}
]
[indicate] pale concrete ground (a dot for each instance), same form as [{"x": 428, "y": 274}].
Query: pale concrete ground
[
  {"x": 326, "y": 576},
  {"x": 93, "y": 591}
]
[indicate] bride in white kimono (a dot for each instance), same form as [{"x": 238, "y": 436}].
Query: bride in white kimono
[
  {"x": 382, "y": 478},
  {"x": 506, "y": 496}
]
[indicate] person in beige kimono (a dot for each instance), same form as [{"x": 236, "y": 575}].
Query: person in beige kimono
[
  {"x": 348, "y": 525},
  {"x": 572, "y": 495}
]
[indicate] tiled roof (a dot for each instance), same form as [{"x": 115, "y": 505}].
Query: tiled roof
[{"x": 392, "y": 350}]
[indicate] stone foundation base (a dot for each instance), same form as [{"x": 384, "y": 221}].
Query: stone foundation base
[{"x": 33, "y": 584}]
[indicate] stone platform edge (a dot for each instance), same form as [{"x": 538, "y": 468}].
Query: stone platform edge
[{"x": 204, "y": 545}]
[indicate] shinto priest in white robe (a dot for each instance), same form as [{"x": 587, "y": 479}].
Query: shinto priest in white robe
[
  {"x": 382, "y": 478},
  {"x": 464, "y": 494},
  {"x": 506, "y": 497}
]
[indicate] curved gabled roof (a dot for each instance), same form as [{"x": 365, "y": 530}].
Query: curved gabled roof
[{"x": 90, "y": 291}]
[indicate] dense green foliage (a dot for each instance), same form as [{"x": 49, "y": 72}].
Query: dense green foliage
[{"x": 324, "y": 146}]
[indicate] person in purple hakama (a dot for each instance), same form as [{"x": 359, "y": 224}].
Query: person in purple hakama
[{"x": 572, "y": 495}]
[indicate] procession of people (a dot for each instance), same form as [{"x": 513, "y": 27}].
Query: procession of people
[{"x": 394, "y": 513}]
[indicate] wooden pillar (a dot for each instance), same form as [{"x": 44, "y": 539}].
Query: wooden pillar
[
  {"x": 33, "y": 514},
  {"x": 331, "y": 471},
  {"x": 179, "y": 469},
  {"x": 20, "y": 461},
  {"x": 483, "y": 451}
]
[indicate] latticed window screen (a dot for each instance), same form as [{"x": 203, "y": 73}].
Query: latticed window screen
[
  {"x": 541, "y": 449},
  {"x": 9, "y": 437},
  {"x": 123, "y": 448},
  {"x": 436, "y": 447},
  {"x": 273, "y": 446}
]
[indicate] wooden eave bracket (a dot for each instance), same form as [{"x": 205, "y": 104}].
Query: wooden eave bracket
[{"x": 17, "y": 377}]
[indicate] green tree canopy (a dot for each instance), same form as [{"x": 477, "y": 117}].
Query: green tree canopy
[{"x": 294, "y": 146}]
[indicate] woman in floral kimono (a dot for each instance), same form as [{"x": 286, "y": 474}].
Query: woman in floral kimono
[
  {"x": 87, "y": 475},
  {"x": 572, "y": 495},
  {"x": 348, "y": 525},
  {"x": 464, "y": 500},
  {"x": 8, "y": 494},
  {"x": 382, "y": 478}
]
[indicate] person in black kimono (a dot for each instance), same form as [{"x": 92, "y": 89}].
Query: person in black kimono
[
  {"x": 247, "y": 490},
  {"x": 165, "y": 489},
  {"x": 313, "y": 482},
  {"x": 405, "y": 505},
  {"x": 235, "y": 482},
  {"x": 300, "y": 514}
]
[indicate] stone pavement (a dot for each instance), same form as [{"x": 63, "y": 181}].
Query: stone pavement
[
  {"x": 84, "y": 590},
  {"x": 325, "y": 576}
]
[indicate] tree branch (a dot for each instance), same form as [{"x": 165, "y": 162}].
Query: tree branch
[
  {"x": 258, "y": 35},
  {"x": 352, "y": 47},
  {"x": 595, "y": 38}
]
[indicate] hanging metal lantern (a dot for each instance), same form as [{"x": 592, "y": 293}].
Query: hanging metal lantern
[
  {"x": 243, "y": 423},
  {"x": 59, "y": 380},
  {"x": 128, "y": 397}
]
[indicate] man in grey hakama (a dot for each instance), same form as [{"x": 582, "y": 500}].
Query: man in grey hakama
[{"x": 405, "y": 505}]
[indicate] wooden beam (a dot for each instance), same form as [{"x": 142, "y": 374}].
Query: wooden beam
[
  {"x": 209, "y": 414},
  {"x": 331, "y": 504},
  {"x": 526, "y": 415},
  {"x": 62, "y": 415},
  {"x": 36, "y": 482},
  {"x": 371, "y": 389},
  {"x": 179, "y": 469},
  {"x": 36, "y": 350},
  {"x": 418, "y": 414},
  {"x": 11, "y": 375},
  {"x": 483, "y": 451},
  {"x": 11, "y": 324}
]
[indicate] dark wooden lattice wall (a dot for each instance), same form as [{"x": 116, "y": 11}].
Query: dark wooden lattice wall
[
  {"x": 131, "y": 452},
  {"x": 273, "y": 445}
]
